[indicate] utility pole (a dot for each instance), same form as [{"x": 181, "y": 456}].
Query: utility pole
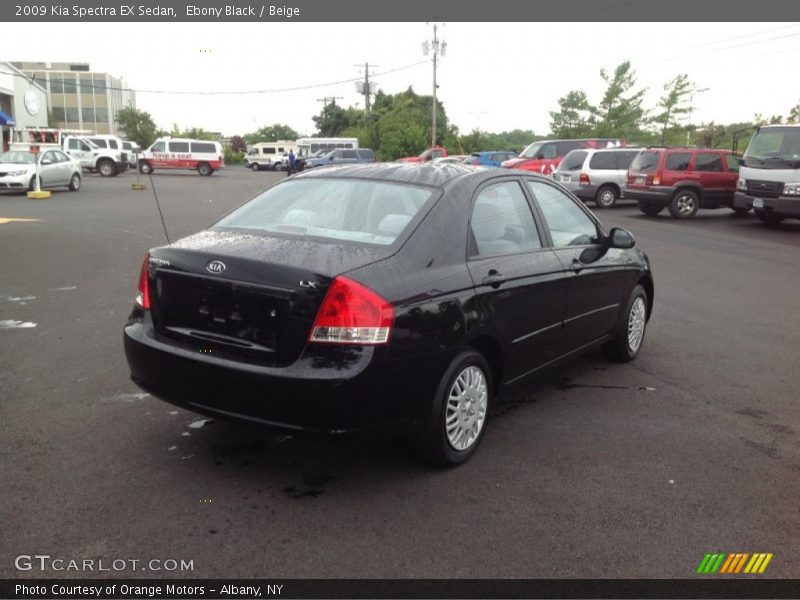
[
  {"x": 366, "y": 91},
  {"x": 437, "y": 48},
  {"x": 325, "y": 100}
]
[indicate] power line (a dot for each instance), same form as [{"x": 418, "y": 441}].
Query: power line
[{"x": 222, "y": 93}]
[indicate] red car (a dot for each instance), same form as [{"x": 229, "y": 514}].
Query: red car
[
  {"x": 544, "y": 156},
  {"x": 683, "y": 180},
  {"x": 426, "y": 156}
]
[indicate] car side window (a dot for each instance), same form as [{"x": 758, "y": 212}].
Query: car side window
[
  {"x": 61, "y": 156},
  {"x": 502, "y": 221},
  {"x": 708, "y": 161},
  {"x": 548, "y": 151},
  {"x": 733, "y": 163},
  {"x": 569, "y": 225},
  {"x": 49, "y": 156},
  {"x": 158, "y": 147},
  {"x": 678, "y": 161}
]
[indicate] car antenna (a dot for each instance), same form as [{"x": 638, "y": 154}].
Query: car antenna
[{"x": 160, "y": 214}]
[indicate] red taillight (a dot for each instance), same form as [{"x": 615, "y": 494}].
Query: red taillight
[
  {"x": 143, "y": 297},
  {"x": 583, "y": 179},
  {"x": 352, "y": 314}
]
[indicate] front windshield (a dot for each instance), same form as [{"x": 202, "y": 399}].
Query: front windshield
[
  {"x": 774, "y": 148},
  {"x": 371, "y": 212},
  {"x": 531, "y": 151},
  {"x": 18, "y": 158}
]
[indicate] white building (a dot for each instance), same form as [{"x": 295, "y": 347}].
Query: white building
[{"x": 23, "y": 102}]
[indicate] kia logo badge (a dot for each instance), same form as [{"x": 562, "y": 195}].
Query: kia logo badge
[{"x": 216, "y": 267}]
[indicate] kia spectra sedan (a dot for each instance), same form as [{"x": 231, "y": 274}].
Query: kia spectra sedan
[{"x": 385, "y": 296}]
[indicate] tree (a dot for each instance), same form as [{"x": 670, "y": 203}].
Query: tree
[
  {"x": 137, "y": 126},
  {"x": 574, "y": 118},
  {"x": 332, "y": 120},
  {"x": 620, "y": 112},
  {"x": 238, "y": 144},
  {"x": 794, "y": 114},
  {"x": 675, "y": 104},
  {"x": 271, "y": 133}
]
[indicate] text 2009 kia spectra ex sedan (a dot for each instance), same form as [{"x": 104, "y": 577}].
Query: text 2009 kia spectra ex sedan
[{"x": 383, "y": 295}]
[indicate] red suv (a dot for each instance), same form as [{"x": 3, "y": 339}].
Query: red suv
[
  {"x": 683, "y": 179},
  {"x": 544, "y": 156}
]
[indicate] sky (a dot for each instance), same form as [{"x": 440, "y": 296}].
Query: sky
[{"x": 494, "y": 76}]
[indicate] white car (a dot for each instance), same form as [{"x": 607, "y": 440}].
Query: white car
[{"x": 18, "y": 170}]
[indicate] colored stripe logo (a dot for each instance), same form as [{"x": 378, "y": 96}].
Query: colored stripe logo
[{"x": 733, "y": 563}]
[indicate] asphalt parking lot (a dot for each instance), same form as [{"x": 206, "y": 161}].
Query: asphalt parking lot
[{"x": 604, "y": 470}]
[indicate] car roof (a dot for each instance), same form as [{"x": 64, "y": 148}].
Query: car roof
[{"x": 434, "y": 175}]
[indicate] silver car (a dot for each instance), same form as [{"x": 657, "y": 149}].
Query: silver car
[
  {"x": 18, "y": 170},
  {"x": 596, "y": 174}
]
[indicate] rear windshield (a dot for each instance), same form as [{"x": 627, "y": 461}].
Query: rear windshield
[
  {"x": 573, "y": 161},
  {"x": 371, "y": 212},
  {"x": 645, "y": 162}
]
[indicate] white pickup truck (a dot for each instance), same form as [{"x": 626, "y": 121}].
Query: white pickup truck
[{"x": 108, "y": 161}]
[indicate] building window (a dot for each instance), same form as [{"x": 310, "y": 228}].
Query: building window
[
  {"x": 58, "y": 114},
  {"x": 88, "y": 115},
  {"x": 101, "y": 115},
  {"x": 72, "y": 115},
  {"x": 56, "y": 84},
  {"x": 69, "y": 85}
]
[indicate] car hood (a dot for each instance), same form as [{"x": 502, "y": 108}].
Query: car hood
[{"x": 16, "y": 167}]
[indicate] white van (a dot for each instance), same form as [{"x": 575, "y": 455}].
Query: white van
[
  {"x": 311, "y": 145},
  {"x": 181, "y": 153},
  {"x": 267, "y": 155}
]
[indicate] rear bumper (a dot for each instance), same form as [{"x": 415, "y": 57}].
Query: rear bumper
[
  {"x": 327, "y": 389},
  {"x": 782, "y": 205}
]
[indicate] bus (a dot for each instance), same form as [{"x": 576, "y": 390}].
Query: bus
[{"x": 310, "y": 145}]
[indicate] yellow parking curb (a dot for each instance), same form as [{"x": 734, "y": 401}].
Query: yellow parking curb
[
  {"x": 138, "y": 186},
  {"x": 38, "y": 195}
]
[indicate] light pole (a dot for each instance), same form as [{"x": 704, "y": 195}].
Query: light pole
[{"x": 437, "y": 48}]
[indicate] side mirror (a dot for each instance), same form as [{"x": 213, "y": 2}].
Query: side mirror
[{"x": 620, "y": 238}]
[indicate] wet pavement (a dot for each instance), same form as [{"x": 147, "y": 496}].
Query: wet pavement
[{"x": 603, "y": 469}]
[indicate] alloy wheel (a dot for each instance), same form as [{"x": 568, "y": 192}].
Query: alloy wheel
[
  {"x": 636, "y": 322},
  {"x": 466, "y": 408}
]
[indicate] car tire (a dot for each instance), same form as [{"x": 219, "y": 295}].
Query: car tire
[
  {"x": 768, "y": 218},
  {"x": 106, "y": 168},
  {"x": 255, "y": 167},
  {"x": 684, "y": 204},
  {"x": 452, "y": 429},
  {"x": 630, "y": 329},
  {"x": 204, "y": 169},
  {"x": 606, "y": 196},
  {"x": 75, "y": 183},
  {"x": 651, "y": 209},
  {"x": 145, "y": 168}
]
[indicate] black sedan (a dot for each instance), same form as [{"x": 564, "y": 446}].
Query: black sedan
[{"x": 381, "y": 295}]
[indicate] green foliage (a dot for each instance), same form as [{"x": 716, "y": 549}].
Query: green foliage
[
  {"x": 332, "y": 120},
  {"x": 574, "y": 118},
  {"x": 620, "y": 112},
  {"x": 194, "y": 133},
  {"x": 675, "y": 105},
  {"x": 233, "y": 157},
  {"x": 271, "y": 133},
  {"x": 794, "y": 114},
  {"x": 137, "y": 126}
]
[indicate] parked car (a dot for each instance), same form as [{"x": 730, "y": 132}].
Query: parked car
[
  {"x": 453, "y": 159},
  {"x": 114, "y": 144},
  {"x": 342, "y": 156},
  {"x": 133, "y": 150},
  {"x": 426, "y": 156},
  {"x": 596, "y": 175},
  {"x": 543, "y": 157},
  {"x": 769, "y": 179},
  {"x": 18, "y": 170},
  {"x": 314, "y": 306},
  {"x": 492, "y": 158},
  {"x": 683, "y": 180}
]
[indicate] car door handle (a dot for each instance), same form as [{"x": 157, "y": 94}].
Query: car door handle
[{"x": 494, "y": 279}]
